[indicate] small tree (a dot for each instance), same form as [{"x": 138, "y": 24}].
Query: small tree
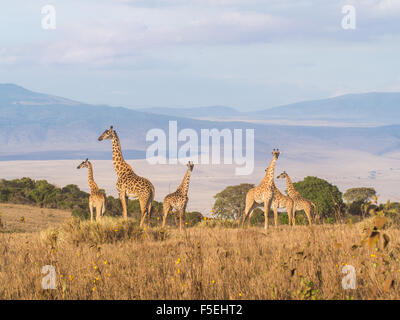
[
  {"x": 230, "y": 203},
  {"x": 358, "y": 199},
  {"x": 359, "y": 194}
]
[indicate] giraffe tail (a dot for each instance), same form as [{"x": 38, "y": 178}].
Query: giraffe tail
[{"x": 150, "y": 202}]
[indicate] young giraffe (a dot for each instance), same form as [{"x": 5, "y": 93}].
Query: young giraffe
[
  {"x": 129, "y": 184},
  {"x": 96, "y": 198},
  {"x": 299, "y": 202},
  {"x": 263, "y": 193},
  {"x": 178, "y": 199},
  {"x": 281, "y": 201}
]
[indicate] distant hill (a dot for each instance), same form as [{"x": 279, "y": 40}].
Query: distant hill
[
  {"x": 11, "y": 94},
  {"x": 375, "y": 108},
  {"x": 213, "y": 112},
  {"x": 38, "y": 126},
  {"x": 368, "y": 107}
]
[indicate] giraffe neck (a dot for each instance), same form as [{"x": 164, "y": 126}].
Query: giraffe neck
[
  {"x": 290, "y": 187},
  {"x": 184, "y": 186},
  {"x": 92, "y": 185},
  {"x": 118, "y": 158},
  {"x": 269, "y": 174}
]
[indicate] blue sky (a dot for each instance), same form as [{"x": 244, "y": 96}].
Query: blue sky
[{"x": 249, "y": 54}]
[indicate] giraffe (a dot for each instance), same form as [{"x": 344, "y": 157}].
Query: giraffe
[
  {"x": 129, "y": 184},
  {"x": 263, "y": 193},
  {"x": 178, "y": 199},
  {"x": 299, "y": 202},
  {"x": 96, "y": 198},
  {"x": 281, "y": 201}
]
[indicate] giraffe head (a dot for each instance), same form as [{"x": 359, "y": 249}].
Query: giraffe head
[
  {"x": 107, "y": 134},
  {"x": 283, "y": 175},
  {"x": 275, "y": 153},
  {"x": 190, "y": 165},
  {"x": 84, "y": 164}
]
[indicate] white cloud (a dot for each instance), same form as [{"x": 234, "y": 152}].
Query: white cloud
[
  {"x": 105, "y": 32},
  {"x": 132, "y": 30}
]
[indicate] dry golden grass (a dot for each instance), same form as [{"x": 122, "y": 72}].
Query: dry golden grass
[
  {"x": 93, "y": 261},
  {"x": 22, "y": 218}
]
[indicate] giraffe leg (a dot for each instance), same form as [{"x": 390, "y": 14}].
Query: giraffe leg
[
  {"x": 144, "y": 213},
  {"x": 91, "y": 211},
  {"x": 294, "y": 216},
  {"x": 98, "y": 211},
  {"x": 249, "y": 207},
  {"x": 149, "y": 204},
  {"x": 122, "y": 197},
  {"x": 247, "y": 214},
  {"x": 143, "y": 208},
  {"x": 166, "y": 208},
  {"x": 308, "y": 213},
  {"x": 289, "y": 209},
  {"x": 267, "y": 206},
  {"x": 275, "y": 207}
]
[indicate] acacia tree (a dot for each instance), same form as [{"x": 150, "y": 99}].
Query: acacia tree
[
  {"x": 323, "y": 194},
  {"x": 359, "y": 194},
  {"x": 358, "y": 199},
  {"x": 230, "y": 202}
]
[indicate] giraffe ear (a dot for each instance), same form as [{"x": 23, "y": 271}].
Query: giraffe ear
[
  {"x": 111, "y": 127},
  {"x": 86, "y": 159}
]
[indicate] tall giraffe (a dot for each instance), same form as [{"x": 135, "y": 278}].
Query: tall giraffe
[
  {"x": 299, "y": 202},
  {"x": 178, "y": 199},
  {"x": 96, "y": 198},
  {"x": 129, "y": 184},
  {"x": 263, "y": 193}
]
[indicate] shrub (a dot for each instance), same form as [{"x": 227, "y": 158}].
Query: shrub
[
  {"x": 107, "y": 230},
  {"x": 80, "y": 213},
  {"x": 220, "y": 223}
]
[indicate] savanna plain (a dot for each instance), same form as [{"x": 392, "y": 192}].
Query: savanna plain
[{"x": 116, "y": 259}]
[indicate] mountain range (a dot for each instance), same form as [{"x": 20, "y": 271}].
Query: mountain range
[
  {"x": 368, "y": 108},
  {"x": 41, "y": 126}
]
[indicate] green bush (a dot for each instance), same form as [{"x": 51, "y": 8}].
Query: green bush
[
  {"x": 193, "y": 218},
  {"x": 283, "y": 218},
  {"x": 354, "y": 208},
  {"x": 80, "y": 213},
  {"x": 301, "y": 218},
  {"x": 330, "y": 220},
  {"x": 43, "y": 194},
  {"x": 257, "y": 217}
]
